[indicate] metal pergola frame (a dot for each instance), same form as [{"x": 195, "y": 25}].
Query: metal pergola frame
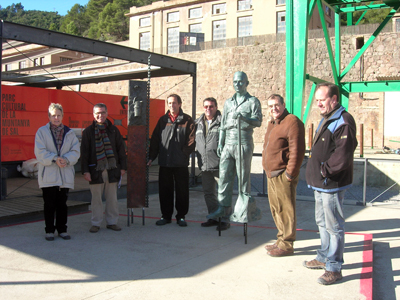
[
  {"x": 161, "y": 65},
  {"x": 298, "y": 15}
]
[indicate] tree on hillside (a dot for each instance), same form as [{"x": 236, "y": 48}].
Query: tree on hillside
[
  {"x": 75, "y": 21},
  {"x": 93, "y": 10},
  {"x": 113, "y": 24},
  {"x": 15, "y": 13},
  {"x": 99, "y": 19},
  {"x": 11, "y": 11}
]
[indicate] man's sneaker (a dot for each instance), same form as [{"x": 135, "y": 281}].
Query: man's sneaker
[
  {"x": 114, "y": 227},
  {"x": 330, "y": 277},
  {"x": 49, "y": 236},
  {"x": 224, "y": 226},
  {"x": 313, "y": 264},
  {"x": 64, "y": 236},
  {"x": 181, "y": 222},
  {"x": 94, "y": 229},
  {"x": 163, "y": 221},
  {"x": 209, "y": 223}
]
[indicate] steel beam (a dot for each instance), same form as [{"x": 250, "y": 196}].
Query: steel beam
[
  {"x": 343, "y": 2},
  {"x": 364, "y": 7},
  {"x": 368, "y": 43},
  {"x": 371, "y": 86},
  {"x": 289, "y": 55},
  {"x": 309, "y": 104},
  {"x": 55, "y": 39},
  {"x": 296, "y": 51},
  {"x": 328, "y": 42},
  {"x": 298, "y": 14}
]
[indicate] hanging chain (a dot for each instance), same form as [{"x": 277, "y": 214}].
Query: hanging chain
[{"x": 147, "y": 129}]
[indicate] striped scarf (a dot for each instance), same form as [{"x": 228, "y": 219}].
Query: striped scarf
[
  {"x": 58, "y": 133},
  {"x": 104, "y": 152}
]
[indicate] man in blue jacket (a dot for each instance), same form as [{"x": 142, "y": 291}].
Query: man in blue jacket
[{"x": 330, "y": 173}]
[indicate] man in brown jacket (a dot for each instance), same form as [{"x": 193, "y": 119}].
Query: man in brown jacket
[{"x": 283, "y": 153}]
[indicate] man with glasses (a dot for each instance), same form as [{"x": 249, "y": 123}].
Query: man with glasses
[
  {"x": 207, "y": 136},
  {"x": 103, "y": 163},
  {"x": 330, "y": 173}
]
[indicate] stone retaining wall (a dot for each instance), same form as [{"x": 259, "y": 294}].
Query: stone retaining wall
[{"x": 264, "y": 63}]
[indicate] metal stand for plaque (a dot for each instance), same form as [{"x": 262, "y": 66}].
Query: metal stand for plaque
[
  {"x": 146, "y": 204},
  {"x": 130, "y": 216}
]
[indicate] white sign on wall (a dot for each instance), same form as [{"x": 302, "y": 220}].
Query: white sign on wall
[{"x": 391, "y": 114}]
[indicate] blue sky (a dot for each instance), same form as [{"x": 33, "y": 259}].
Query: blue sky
[{"x": 61, "y": 6}]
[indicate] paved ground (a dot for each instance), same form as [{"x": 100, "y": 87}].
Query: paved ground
[{"x": 170, "y": 262}]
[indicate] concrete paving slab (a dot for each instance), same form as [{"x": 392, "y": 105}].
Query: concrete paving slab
[{"x": 152, "y": 262}]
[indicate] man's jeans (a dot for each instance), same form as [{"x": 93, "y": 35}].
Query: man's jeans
[{"x": 330, "y": 221}]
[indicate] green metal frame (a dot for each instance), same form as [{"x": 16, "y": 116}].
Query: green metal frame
[{"x": 298, "y": 15}]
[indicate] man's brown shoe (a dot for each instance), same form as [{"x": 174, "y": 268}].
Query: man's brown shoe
[
  {"x": 114, "y": 227},
  {"x": 270, "y": 247},
  {"x": 313, "y": 264},
  {"x": 278, "y": 252},
  {"x": 330, "y": 277}
]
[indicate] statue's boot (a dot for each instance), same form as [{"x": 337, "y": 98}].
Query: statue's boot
[{"x": 219, "y": 213}]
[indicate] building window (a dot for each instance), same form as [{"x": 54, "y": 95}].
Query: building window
[
  {"x": 62, "y": 59},
  {"x": 7, "y": 67},
  {"x": 173, "y": 40},
  {"x": 42, "y": 61},
  {"x": 244, "y": 4},
  {"x": 195, "y": 28},
  {"x": 144, "y": 22},
  {"x": 195, "y": 13},
  {"x": 327, "y": 10},
  {"x": 280, "y": 2},
  {"x": 219, "y": 30},
  {"x": 245, "y": 26},
  {"x": 173, "y": 16},
  {"x": 281, "y": 21},
  {"x": 22, "y": 64},
  {"x": 219, "y": 8},
  {"x": 36, "y": 62},
  {"x": 144, "y": 40},
  {"x": 397, "y": 27}
]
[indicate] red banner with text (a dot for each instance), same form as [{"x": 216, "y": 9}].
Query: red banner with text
[{"x": 25, "y": 109}]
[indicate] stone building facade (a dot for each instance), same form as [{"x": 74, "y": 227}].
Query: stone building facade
[{"x": 161, "y": 27}]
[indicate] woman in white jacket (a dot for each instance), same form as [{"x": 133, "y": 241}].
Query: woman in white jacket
[{"x": 57, "y": 151}]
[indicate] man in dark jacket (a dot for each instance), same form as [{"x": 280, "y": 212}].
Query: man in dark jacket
[
  {"x": 207, "y": 137},
  {"x": 173, "y": 140},
  {"x": 103, "y": 163},
  {"x": 329, "y": 173},
  {"x": 283, "y": 154}
]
